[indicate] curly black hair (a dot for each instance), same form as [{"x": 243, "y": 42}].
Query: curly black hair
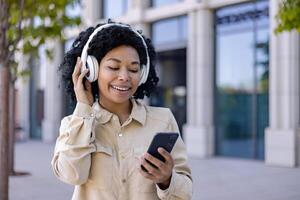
[{"x": 104, "y": 41}]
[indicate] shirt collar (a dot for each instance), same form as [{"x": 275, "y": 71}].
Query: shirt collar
[
  {"x": 103, "y": 115},
  {"x": 138, "y": 112}
]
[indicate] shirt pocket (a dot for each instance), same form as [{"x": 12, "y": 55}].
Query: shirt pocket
[
  {"x": 143, "y": 184},
  {"x": 101, "y": 167}
]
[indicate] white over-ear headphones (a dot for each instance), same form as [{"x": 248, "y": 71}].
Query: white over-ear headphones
[{"x": 90, "y": 62}]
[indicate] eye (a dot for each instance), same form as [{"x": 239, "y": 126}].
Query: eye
[
  {"x": 113, "y": 68},
  {"x": 134, "y": 70}
]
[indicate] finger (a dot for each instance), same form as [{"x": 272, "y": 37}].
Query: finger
[
  {"x": 81, "y": 76},
  {"x": 146, "y": 175},
  {"x": 150, "y": 168},
  {"x": 76, "y": 71},
  {"x": 77, "y": 66},
  {"x": 158, "y": 163},
  {"x": 167, "y": 156},
  {"x": 88, "y": 85}
]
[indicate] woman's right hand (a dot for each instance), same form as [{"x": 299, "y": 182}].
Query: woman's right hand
[{"x": 83, "y": 94}]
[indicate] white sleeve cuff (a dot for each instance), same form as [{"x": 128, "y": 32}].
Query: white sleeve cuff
[{"x": 164, "y": 194}]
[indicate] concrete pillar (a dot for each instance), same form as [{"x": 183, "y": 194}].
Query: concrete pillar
[
  {"x": 91, "y": 13},
  {"x": 199, "y": 130},
  {"x": 135, "y": 13},
  {"x": 282, "y": 136},
  {"x": 53, "y": 95}
]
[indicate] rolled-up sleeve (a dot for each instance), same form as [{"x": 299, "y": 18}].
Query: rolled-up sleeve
[
  {"x": 72, "y": 156},
  {"x": 181, "y": 181}
]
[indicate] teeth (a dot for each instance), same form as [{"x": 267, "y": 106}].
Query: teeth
[{"x": 120, "y": 88}]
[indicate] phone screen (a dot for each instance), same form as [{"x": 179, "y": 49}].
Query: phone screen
[{"x": 164, "y": 140}]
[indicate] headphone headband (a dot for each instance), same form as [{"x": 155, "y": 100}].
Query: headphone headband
[{"x": 84, "y": 55}]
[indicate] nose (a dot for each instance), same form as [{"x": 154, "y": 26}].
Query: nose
[{"x": 123, "y": 75}]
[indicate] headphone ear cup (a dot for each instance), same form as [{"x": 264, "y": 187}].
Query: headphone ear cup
[
  {"x": 142, "y": 75},
  {"x": 93, "y": 66}
]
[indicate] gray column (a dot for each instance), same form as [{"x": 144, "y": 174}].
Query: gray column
[
  {"x": 136, "y": 12},
  {"x": 281, "y": 136},
  {"x": 53, "y": 96},
  {"x": 91, "y": 12},
  {"x": 199, "y": 130}
]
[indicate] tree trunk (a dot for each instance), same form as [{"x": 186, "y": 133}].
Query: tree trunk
[
  {"x": 4, "y": 109},
  {"x": 12, "y": 123},
  {"x": 4, "y": 100}
]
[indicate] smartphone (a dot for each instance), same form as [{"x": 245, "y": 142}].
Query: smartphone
[{"x": 164, "y": 140}]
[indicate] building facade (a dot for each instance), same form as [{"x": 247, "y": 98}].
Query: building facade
[{"x": 231, "y": 82}]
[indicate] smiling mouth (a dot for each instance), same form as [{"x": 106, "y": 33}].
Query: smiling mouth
[{"x": 122, "y": 89}]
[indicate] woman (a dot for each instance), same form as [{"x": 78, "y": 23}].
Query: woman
[{"x": 102, "y": 146}]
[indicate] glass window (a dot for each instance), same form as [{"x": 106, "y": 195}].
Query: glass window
[
  {"x": 169, "y": 30},
  {"x": 158, "y": 3},
  {"x": 114, "y": 8},
  {"x": 242, "y": 60},
  {"x": 171, "y": 90},
  {"x": 171, "y": 65}
]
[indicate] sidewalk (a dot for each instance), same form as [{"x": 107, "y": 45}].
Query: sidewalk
[{"x": 214, "y": 179}]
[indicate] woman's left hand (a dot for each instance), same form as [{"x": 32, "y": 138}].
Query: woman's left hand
[{"x": 162, "y": 173}]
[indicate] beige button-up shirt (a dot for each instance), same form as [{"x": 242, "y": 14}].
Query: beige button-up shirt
[{"x": 100, "y": 156}]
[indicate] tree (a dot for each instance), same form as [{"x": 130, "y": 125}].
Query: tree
[
  {"x": 25, "y": 26},
  {"x": 288, "y": 16}
]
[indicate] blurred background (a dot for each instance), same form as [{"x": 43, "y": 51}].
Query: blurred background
[
  {"x": 229, "y": 94},
  {"x": 230, "y": 79}
]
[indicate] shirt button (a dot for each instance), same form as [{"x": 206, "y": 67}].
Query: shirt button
[
  {"x": 123, "y": 180},
  {"x": 120, "y": 134},
  {"x": 92, "y": 115}
]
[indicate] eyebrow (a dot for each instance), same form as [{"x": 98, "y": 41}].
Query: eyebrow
[{"x": 119, "y": 61}]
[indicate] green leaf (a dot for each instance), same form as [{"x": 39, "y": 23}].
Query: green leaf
[
  {"x": 288, "y": 16},
  {"x": 41, "y": 20}
]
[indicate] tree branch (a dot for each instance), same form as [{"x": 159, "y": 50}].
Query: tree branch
[
  {"x": 19, "y": 35},
  {"x": 3, "y": 31}
]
